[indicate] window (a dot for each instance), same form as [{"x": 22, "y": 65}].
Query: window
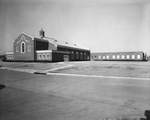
[
  {"x": 77, "y": 55},
  {"x": 47, "y": 56},
  {"x": 84, "y": 55},
  {"x": 23, "y": 47},
  {"x": 8, "y": 57},
  {"x": 103, "y": 57},
  {"x": 29, "y": 48},
  {"x": 99, "y": 57},
  {"x": 72, "y": 55},
  {"x": 43, "y": 56},
  {"x": 12, "y": 56},
  {"x": 122, "y": 56},
  {"x": 81, "y": 56},
  {"x": 113, "y": 56},
  {"x": 133, "y": 56},
  {"x": 40, "y": 56},
  {"x": 138, "y": 57},
  {"x": 107, "y": 57},
  {"x": 128, "y": 56},
  {"x": 118, "y": 56},
  {"x": 17, "y": 49}
]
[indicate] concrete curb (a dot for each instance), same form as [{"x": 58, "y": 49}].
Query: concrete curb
[{"x": 38, "y": 72}]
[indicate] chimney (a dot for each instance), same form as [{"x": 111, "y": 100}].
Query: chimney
[{"x": 42, "y": 33}]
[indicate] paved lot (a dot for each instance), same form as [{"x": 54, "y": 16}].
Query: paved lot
[{"x": 63, "y": 97}]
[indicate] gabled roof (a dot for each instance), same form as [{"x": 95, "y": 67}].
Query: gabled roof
[
  {"x": 59, "y": 42},
  {"x": 65, "y": 43}
]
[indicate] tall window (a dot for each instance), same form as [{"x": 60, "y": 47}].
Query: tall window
[
  {"x": 77, "y": 55},
  {"x": 84, "y": 55},
  {"x": 81, "y": 56},
  {"x": 72, "y": 55},
  {"x": 23, "y": 50}
]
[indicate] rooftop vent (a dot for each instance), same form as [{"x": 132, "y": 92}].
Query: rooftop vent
[{"x": 66, "y": 42}]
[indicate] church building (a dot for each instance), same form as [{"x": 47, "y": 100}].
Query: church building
[{"x": 31, "y": 48}]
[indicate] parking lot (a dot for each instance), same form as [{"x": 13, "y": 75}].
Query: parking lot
[{"x": 83, "y": 91}]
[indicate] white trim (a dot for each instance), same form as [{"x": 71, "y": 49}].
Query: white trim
[
  {"x": 22, "y": 38},
  {"x": 44, "y": 51},
  {"x": 28, "y": 35},
  {"x": 9, "y": 52}
]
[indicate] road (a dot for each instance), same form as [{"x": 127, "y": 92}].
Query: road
[{"x": 58, "y": 97}]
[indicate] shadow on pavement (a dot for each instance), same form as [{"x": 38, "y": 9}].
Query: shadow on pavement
[{"x": 2, "y": 86}]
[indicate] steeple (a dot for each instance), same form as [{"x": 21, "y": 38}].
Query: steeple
[{"x": 42, "y": 32}]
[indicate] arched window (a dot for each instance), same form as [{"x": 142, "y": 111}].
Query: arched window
[
  {"x": 39, "y": 56},
  {"x": 81, "y": 56},
  {"x": 23, "y": 46},
  {"x": 47, "y": 56},
  {"x": 72, "y": 55},
  {"x": 77, "y": 55}
]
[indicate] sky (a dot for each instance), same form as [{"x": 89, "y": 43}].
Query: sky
[{"x": 100, "y": 25}]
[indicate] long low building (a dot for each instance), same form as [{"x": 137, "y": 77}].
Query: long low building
[
  {"x": 118, "y": 56},
  {"x": 30, "y": 48}
]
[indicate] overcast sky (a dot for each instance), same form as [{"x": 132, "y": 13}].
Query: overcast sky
[{"x": 101, "y": 25}]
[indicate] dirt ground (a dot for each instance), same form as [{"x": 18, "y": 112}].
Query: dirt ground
[
  {"x": 110, "y": 68},
  {"x": 102, "y": 68}
]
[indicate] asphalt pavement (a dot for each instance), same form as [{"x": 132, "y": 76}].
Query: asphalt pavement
[{"x": 57, "y": 97}]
